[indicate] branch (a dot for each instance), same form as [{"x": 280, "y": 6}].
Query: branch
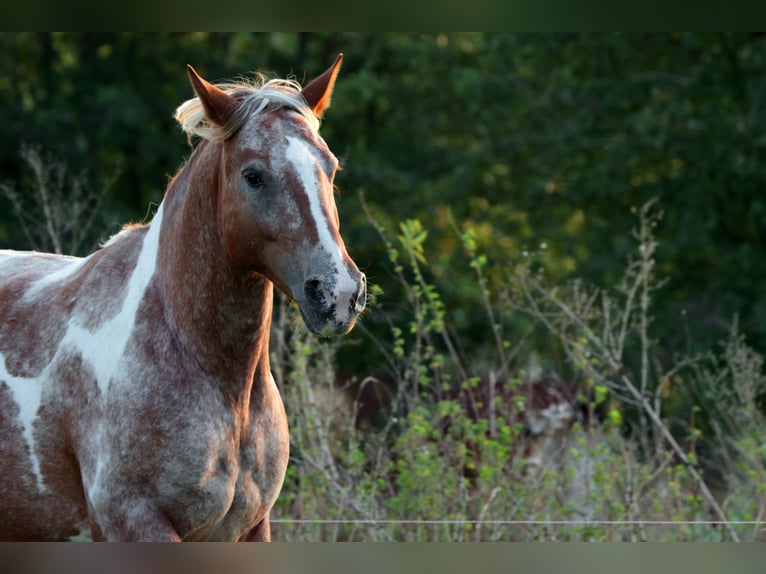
[{"x": 641, "y": 399}]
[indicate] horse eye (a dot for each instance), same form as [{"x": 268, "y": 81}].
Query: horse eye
[{"x": 253, "y": 179}]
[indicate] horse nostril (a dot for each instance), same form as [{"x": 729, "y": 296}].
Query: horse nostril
[{"x": 359, "y": 300}]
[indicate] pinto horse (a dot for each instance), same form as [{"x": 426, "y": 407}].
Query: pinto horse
[{"x": 136, "y": 398}]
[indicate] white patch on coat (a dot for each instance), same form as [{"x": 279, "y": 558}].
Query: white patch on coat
[
  {"x": 27, "y": 394},
  {"x": 104, "y": 348},
  {"x": 69, "y": 267},
  {"x": 8, "y": 255}
]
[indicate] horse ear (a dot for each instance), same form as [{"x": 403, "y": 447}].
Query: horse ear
[
  {"x": 319, "y": 90},
  {"x": 218, "y": 104}
]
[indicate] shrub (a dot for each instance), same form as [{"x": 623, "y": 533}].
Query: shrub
[{"x": 463, "y": 451}]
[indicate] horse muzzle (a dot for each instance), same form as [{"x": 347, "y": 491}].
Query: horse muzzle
[{"x": 332, "y": 308}]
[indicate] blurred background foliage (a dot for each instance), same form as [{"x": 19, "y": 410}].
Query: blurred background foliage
[{"x": 539, "y": 144}]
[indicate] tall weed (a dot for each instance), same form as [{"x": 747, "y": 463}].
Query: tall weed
[{"x": 462, "y": 450}]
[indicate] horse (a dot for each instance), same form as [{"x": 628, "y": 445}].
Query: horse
[{"x": 136, "y": 397}]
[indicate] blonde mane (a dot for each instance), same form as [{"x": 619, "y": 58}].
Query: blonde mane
[{"x": 253, "y": 96}]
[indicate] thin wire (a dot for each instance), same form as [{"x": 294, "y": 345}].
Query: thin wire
[{"x": 525, "y": 522}]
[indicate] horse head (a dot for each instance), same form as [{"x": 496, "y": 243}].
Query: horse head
[{"x": 277, "y": 210}]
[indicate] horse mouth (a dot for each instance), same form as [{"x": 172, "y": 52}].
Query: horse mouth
[{"x": 325, "y": 323}]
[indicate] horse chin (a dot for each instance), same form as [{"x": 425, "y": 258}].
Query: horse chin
[{"x": 324, "y": 324}]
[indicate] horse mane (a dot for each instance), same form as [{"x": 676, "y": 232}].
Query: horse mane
[
  {"x": 122, "y": 233},
  {"x": 254, "y": 96}
]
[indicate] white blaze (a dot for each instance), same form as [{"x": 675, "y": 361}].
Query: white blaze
[{"x": 299, "y": 154}]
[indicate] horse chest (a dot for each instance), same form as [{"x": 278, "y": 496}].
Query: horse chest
[
  {"x": 239, "y": 477},
  {"x": 211, "y": 470}
]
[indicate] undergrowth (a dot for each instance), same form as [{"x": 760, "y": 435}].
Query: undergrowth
[{"x": 648, "y": 448}]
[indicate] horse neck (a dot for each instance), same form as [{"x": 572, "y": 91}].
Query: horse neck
[{"x": 221, "y": 314}]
